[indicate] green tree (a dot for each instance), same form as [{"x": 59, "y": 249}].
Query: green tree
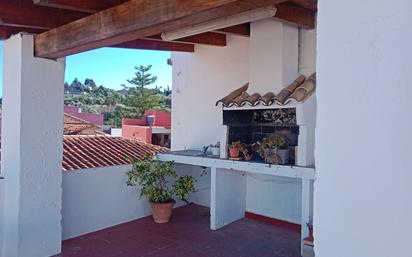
[{"x": 142, "y": 78}]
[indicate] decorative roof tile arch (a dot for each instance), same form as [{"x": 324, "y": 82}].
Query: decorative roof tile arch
[{"x": 297, "y": 92}]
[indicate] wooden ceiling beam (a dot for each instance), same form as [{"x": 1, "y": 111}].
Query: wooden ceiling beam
[
  {"x": 6, "y": 31},
  {"x": 86, "y": 6},
  {"x": 295, "y": 15},
  {"x": 28, "y": 15},
  {"x": 135, "y": 19},
  {"x": 207, "y": 38},
  {"x": 150, "y": 44},
  {"x": 240, "y": 30},
  {"x": 308, "y": 4}
]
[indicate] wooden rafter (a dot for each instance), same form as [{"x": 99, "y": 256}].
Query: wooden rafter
[
  {"x": 87, "y": 6},
  {"x": 133, "y": 20},
  {"x": 6, "y": 31},
  {"x": 308, "y": 4},
  {"x": 296, "y": 15},
  {"x": 28, "y": 15},
  {"x": 148, "y": 44},
  {"x": 240, "y": 30}
]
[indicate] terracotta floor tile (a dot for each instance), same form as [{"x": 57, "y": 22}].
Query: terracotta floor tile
[{"x": 187, "y": 234}]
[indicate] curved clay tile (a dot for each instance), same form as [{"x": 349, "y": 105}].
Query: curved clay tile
[
  {"x": 287, "y": 91},
  {"x": 267, "y": 99},
  {"x": 253, "y": 99},
  {"x": 239, "y": 101},
  {"x": 227, "y": 100},
  {"x": 303, "y": 91}
]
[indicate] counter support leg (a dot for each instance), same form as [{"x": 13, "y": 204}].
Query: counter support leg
[{"x": 228, "y": 197}]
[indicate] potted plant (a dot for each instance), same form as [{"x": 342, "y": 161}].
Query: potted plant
[
  {"x": 154, "y": 177},
  {"x": 274, "y": 149},
  {"x": 234, "y": 149}
]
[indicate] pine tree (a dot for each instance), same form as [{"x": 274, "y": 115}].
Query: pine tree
[{"x": 142, "y": 78}]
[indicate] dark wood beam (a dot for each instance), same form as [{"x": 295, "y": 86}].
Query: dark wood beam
[
  {"x": 6, "y": 32},
  {"x": 87, "y": 6},
  {"x": 28, "y": 15},
  {"x": 240, "y": 30},
  {"x": 308, "y": 4},
  {"x": 208, "y": 38},
  {"x": 136, "y": 19},
  {"x": 149, "y": 44},
  {"x": 296, "y": 15}
]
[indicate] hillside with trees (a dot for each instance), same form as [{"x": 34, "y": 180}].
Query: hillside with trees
[{"x": 130, "y": 102}]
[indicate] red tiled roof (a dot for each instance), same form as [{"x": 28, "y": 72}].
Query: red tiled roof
[
  {"x": 70, "y": 119},
  {"x": 85, "y": 152},
  {"x": 74, "y": 125}
]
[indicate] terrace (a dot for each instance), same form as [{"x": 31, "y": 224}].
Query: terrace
[
  {"x": 187, "y": 235},
  {"x": 333, "y": 83}
]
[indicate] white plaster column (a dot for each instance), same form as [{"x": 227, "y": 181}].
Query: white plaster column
[
  {"x": 32, "y": 128},
  {"x": 363, "y": 150}
]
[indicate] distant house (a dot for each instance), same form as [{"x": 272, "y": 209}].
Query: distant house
[
  {"x": 75, "y": 126},
  {"x": 94, "y": 118},
  {"x": 153, "y": 128}
]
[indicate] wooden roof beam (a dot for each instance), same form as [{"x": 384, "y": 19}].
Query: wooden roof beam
[
  {"x": 133, "y": 20},
  {"x": 308, "y": 4},
  {"x": 150, "y": 44},
  {"x": 28, "y": 15},
  {"x": 6, "y": 31},
  {"x": 296, "y": 15},
  {"x": 240, "y": 30},
  {"x": 86, "y": 6}
]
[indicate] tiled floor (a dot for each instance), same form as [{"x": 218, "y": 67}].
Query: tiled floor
[{"x": 187, "y": 234}]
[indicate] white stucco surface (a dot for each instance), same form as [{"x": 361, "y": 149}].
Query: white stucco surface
[
  {"x": 1, "y": 214},
  {"x": 94, "y": 199},
  {"x": 32, "y": 132},
  {"x": 363, "y": 137},
  {"x": 201, "y": 78},
  {"x": 273, "y": 55}
]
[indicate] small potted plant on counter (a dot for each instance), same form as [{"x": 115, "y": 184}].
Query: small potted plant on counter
[
  {"x": 153, "y": 178},
  {"x": 274, "y": 149},
  {"x": 234, "y": 149}
]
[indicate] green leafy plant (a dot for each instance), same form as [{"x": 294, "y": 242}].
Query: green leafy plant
[
  {"x": 272, "y": 142},
  {"x": 154, "y": 179}
]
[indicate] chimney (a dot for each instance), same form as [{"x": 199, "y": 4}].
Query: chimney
[{"x": 274, "y": 51}]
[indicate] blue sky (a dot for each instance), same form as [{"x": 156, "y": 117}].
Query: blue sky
[{"x": 112, "y": 66}]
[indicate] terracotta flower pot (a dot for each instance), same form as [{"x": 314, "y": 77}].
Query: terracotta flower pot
[
  {"x": 234, "y": 152},
  {"x": 162, "y": 211}
]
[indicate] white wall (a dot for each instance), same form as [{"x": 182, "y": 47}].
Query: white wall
[
  {"x": 32, "y": 150},
  {"x": 1, "y": 213},
  {"x": 199, "y": 80},
  {"x": 363, "y": 138},
  {"x": 116, "y": 132},
  {"x": 94, "y": 199}
]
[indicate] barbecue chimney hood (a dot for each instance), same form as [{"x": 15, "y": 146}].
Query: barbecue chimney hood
[{"x": 274, "y": 51}]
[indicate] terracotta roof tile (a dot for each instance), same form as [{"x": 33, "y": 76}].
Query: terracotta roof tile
[
  {"x": 74, "y": 125},
  {"x": 85, "y": 152},
  {"x": 298, "y": 91}
]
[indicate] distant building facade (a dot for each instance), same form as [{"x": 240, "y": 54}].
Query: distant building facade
[
  {"x": 94, "y": 118},
  {"x": 153, "y": 128}
]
